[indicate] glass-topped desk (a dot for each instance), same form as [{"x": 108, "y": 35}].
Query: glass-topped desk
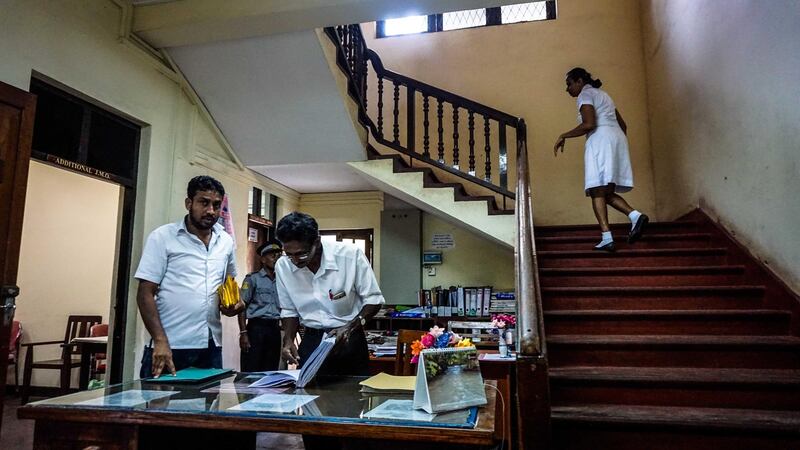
[{"x": 225, "y": 413}]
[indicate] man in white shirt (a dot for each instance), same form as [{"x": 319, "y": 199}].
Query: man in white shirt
[
  {"x": 181, "y": 268},
  {"x": 326, "y": 287}
]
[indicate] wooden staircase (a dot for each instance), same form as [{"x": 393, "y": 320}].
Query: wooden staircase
[
  {"x": 432, "y": 180},
  {"x": 680, "y": 341}
]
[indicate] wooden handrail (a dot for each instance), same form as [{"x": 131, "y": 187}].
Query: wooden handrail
[
  {"x": 529, "y": 300},
  {"x": 476, "y": 119},
  {"x": 434, "y": 91}
]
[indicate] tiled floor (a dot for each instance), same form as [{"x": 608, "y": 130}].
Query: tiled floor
[{"x": 18, "y": 434}]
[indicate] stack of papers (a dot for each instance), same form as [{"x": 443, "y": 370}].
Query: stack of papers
[
  {"x": 302, "y": 377},
  {"x": 385, "y": 384},
  {"x": 385, "y": 350}
]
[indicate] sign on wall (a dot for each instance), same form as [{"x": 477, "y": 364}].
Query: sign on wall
[{"x": 443, "y": 241}]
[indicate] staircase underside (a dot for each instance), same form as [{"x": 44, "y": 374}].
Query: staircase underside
[
  {"x": 680, "y": 341},
  {"x": 449, "y": 201}
]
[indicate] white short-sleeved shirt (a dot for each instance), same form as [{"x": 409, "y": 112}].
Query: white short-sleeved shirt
[
  {"x": 188, "y": 275},
  {"x": 604, "y": 108},
  {"x": 310, "y": 296}
]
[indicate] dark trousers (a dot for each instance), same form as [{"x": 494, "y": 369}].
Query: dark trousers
[
  {"x": 203, "y": 358},
  {"x": 265, "y": 345},
  {"x": 350, "y": 358}
]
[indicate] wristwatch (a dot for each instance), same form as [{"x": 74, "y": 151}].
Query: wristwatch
[{"x": 362, "y": 320}]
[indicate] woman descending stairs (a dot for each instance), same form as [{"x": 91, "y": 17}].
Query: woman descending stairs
[{"x": 680, "y": 341}]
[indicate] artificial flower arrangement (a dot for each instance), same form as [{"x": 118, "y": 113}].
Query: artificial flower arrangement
[
  {"x": 437, "y": 338},
  {"x": 503, "y": 321},
  {"x": 440, "y": 338}
]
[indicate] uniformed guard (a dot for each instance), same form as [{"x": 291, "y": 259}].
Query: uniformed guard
[{"x": 260, "y": 338}]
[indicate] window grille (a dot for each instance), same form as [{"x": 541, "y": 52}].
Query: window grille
[{"x": 502, "y": 15}]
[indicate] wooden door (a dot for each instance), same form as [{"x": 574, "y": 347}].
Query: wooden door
[{"x": 17, "y": 109}]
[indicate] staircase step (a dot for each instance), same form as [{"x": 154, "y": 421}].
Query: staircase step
[
  {"x": 642, "y": 276},
  {"x": 653, "y": 297},
  {"x": 627, "y": 257},
  {"x": 657, "y": 386},
  {"x": 622, "y": 229},
  {"x": 671, "y": 427},
  {"x": 775, "y": 352},
  {"x": 649, "y": 240},
  {"x": 757, "y": 322}
]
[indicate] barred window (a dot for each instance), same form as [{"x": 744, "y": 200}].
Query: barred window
[{"x": 502, "y": 15}]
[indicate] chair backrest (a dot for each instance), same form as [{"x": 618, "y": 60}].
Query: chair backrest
[
  {"x": 402, "y": 362},
  {"x": 99, "y": 330},
  {"x": 480, "y": 333},
  {"x": 79, "y": 326},
  {"x": 14, "y": 340}
]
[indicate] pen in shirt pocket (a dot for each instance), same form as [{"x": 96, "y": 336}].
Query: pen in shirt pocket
[{"x": 336, "y": 296}]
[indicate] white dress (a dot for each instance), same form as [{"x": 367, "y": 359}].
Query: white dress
[{"x": 606, "y": 158}]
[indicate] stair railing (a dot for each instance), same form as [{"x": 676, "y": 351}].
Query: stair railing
[
  {"x": 533, "y": 385},
  {"x": 456, "y": 134}
]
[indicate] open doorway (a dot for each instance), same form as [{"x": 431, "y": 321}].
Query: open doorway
[{"x": 77, "y": 234}]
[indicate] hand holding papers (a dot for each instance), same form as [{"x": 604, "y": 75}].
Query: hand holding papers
[{"x": 302, "y": 377}]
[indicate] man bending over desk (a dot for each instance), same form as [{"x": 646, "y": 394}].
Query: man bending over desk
[{"x": 326, "y": 287}]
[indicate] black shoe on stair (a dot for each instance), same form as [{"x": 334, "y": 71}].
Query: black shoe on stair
[{"x": 638, "y": 228}]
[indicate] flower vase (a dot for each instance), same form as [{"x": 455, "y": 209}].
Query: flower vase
[
  {"x": 501, "y": 343},
  {"x": 509, "y": 338}
]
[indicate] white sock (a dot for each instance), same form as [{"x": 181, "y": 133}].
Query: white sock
[
  {"x": 606, "y": 238},
  {"x": 634, "y": 216}
]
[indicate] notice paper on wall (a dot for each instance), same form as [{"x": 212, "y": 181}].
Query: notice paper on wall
[{"x": 443, "y": 241}]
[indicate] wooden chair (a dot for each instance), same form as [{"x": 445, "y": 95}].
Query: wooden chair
[
  {"x": 77, "y": 326},
  {"x": 402, "y": 362},
  {"x": 98, "y": 364},
  {"x": 13, "y": 350}
]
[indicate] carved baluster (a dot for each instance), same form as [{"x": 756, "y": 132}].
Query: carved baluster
[
  {"x": 396, "y": 112},
  {"x": 425, "y": 123},
  {"x": 364, "y": 76},
  {"x": 455, "y": 138},
  {"x": 411, "y": 121},
  {"x": 487, "y": 176},
  {"x": 440, "y": 115},
  {"x": 380, "y": 106},
  {"x": 502, "y": 161},
  {"x": 471, "y": 126}
]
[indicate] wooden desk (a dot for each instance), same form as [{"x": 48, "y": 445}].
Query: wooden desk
[
  {"x": 193, "y": 416},
  {"x": 87, "y": 346}
]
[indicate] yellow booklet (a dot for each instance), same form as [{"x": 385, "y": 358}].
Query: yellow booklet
[{"x": 385, "y": 382}]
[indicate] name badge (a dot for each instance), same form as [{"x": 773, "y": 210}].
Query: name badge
[{"x": 336, "y": 296}]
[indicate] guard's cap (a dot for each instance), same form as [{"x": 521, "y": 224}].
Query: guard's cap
[{"x": 271, "y": 246}]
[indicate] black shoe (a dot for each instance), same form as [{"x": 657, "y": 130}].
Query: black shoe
[
  {"x": 607, "y": 248},
  {"x": 638, "y": 228}
]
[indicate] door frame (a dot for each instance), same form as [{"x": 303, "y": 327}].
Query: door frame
[{"x": 16, "y": 165}]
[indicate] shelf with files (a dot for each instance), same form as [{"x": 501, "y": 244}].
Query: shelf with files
[{"x": 480, "y": 332}]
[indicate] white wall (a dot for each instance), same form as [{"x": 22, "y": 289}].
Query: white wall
[
  {"x": 76, "y": 43},
  {"x": 723, "y": 96},
  {"x": 66, "y": 261}
]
